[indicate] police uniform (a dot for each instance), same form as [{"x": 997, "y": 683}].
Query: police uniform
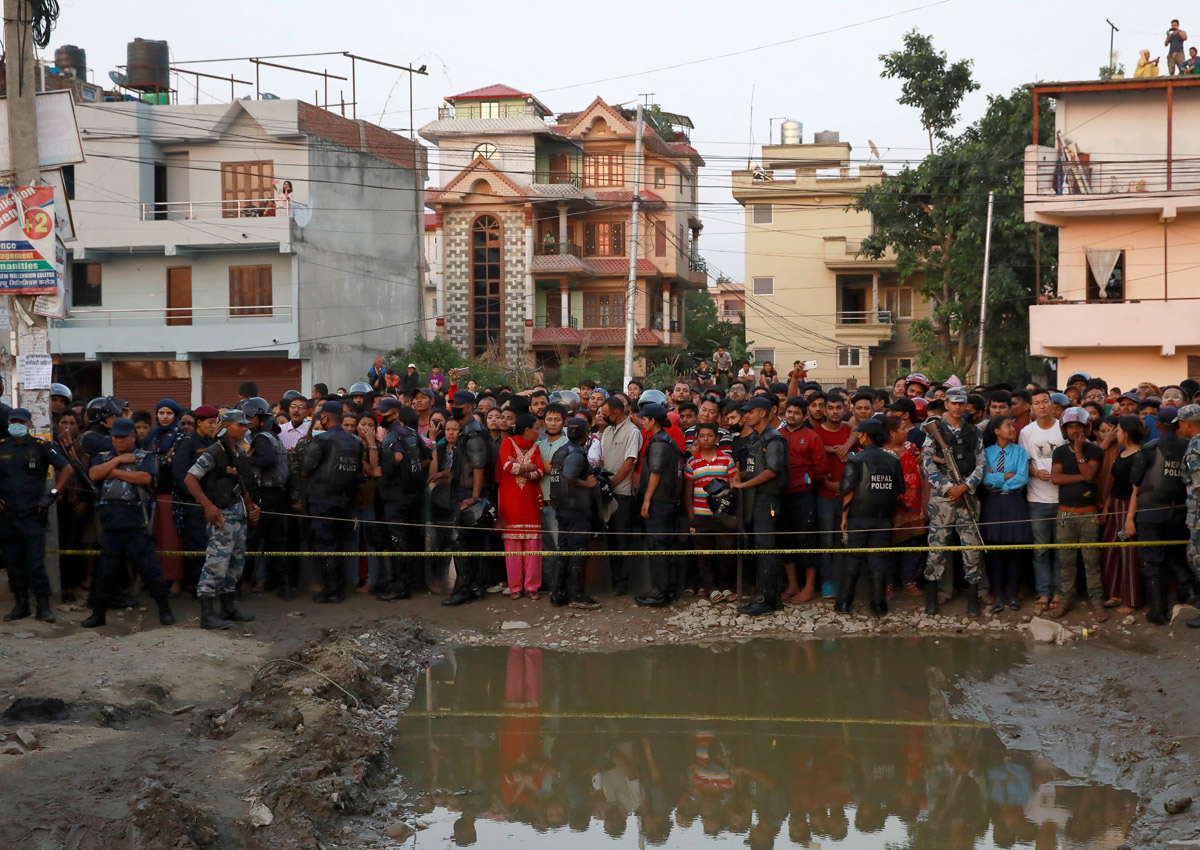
[
  {"x": 225, "y": 556},
  {"x": 189, "y": 516},
  {"x": 473, "y": 452},
  {"x": 400, "y": 489},
  {"x": 947, "y": 518},
  {"x": 1157, "y": 472},
  {"x": 332, "y": 464},
  {"x": 662, "y": 457},
  {"x": 1191, "y": 476},
  {"x": 24, "y": 463},
  {"x": 268, "y": 464},
  {"x": 876, "y": 480},
  {"x": 762, "y": 506},
  {"x": 126, "y": 513},
  {"x": 573, "y": 511}
]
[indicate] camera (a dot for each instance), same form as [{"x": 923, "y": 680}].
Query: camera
[{"x": 1122, "y": 535}]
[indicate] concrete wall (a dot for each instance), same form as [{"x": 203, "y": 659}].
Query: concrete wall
[{"x": 515, "y": 156}]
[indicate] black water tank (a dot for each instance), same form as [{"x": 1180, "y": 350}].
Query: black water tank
[
  {"x": 148, "y": 65},
  {"x": 72, "y": 60}
]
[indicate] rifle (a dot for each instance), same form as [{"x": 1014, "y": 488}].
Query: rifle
[{"x": 969, "y": 501}]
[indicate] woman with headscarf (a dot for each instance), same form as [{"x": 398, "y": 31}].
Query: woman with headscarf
[{"x": 161, "y": 440}]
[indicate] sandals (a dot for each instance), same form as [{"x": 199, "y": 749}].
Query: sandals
[
  {"x": 534, "y": 596},
  {"x": 716, "y": 596},
  {"x": 1112, "y": 602},
  {"x": 1041, "y": 604},
  {"x": 1056, "y": 608},
  {"x": 729, "y": 595}
]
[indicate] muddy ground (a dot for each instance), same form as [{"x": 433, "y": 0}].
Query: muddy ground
[{"x": 275, "y": 735}]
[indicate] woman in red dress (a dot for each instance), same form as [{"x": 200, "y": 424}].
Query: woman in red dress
[{"x": 520, "y": 506}]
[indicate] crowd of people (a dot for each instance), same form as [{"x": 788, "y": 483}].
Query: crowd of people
[{"x": 717, "y": 480}]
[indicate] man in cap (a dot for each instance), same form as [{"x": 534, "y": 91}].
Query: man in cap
[
  {"x": 1158, "y": 511},
  {"x": 125, "y": 498},
  {"x": 763, "y": 461},
  {"x": 659, "y": 491},
  {"x": 268, "y": 462},
  {"x": 24, "y": 503},
  {"x": 220, "y": 481},
  {"x": 471, "y": 479},
  {"x": 332, "y": 465},
  {"x": 403, "y": 462},
  {"x": 1189, "y": 429},
  {"x": 571, "y": 487},
  {"x": 188, "y": 515},
  {"x": 871, "y": 487},
  {"x": 1075, "y": 468},
  {"x": 949, "y": 513}
]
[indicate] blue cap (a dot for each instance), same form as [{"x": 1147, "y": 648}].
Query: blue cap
[
  {"x": 756, "y": 403},
  {"x": 333, "y": 408},
  {"x": 1060, "y": 398},
  {"x": 20, "y": 414},
  {"x": 463, "y": 397},
  {"x": 388, "y": 403},
  {"x": 1168, "y": 415},
  {"x": 122, "y": 428}
]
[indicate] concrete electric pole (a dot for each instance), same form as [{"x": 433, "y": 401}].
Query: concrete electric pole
[{"x": 631, "y": 293}]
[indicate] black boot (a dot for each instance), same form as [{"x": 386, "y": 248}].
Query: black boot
[
  {"x": 44, "y": 612},
  {"x": 1156, "y": 601},
  {"x": 973, "y": 606},
  {"x": 653, "y": 598},
  {"x": 931, "y": 596},
  {"x": 165, "y": 616},
  {"x": 757, "y": 607},
  {"x": 396, "y": 584},
  {"x": 97, "y": 618},
  {"x": 21, "y": 610},
  {"x": 879, "y": 606},
  {"x": 329, "y": 584},
  {"x": 230, "y": 612},
  {"x": 578, "y": 596},
  {"x": 845, "y": 594},
  {"x": 208, "y": 619}
]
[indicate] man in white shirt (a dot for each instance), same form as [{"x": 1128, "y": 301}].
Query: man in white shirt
[
  {"x": 1039, "y": 439},
  {"x": 296, "y": 426},
  {"x": 620, "y": 445}
]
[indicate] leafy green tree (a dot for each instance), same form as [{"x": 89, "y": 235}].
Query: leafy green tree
[
  {"x": 705, "y": 330},
  {"x": 931, "y": 82}
]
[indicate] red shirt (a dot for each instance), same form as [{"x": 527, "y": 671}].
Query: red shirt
[
  {"x": 832, "y": 439},
  {"x": 807, "y": 461}
]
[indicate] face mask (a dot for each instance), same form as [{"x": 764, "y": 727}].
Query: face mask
[
  {"x": 608, "y": 420},
  {"x": 17, "y": 430},
  {"x": 456, "y": 412}
]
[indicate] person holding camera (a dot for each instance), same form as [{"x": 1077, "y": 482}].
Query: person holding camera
[{"x": 1174, "y": 44}]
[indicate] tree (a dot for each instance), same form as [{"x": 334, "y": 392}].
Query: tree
[
  {"x": 934, "y": 218},
  {"x": 705, "y": 330},
  {"x": 931, "y": 82}
]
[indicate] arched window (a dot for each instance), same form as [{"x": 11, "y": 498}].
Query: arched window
[{"x": 487, "y": 286}]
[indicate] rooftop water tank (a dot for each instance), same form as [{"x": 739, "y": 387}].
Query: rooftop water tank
[
  {"x": 791, "y": 133},
  {"x": 827, "y": 137},
  {"x": 71, "y": 60},
  {"x": 148, "y": 65}
]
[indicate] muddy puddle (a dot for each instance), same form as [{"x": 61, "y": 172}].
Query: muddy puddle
[{"x": 846, "y": 743}]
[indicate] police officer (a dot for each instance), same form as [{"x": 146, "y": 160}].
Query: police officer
[
  {"x": 188, "y": 515},
  {"x": 948, "y": 511},
  {"x": 60, "y": 401},
  {"x": 571, "y": 486},
  {"x": 124, "y": 479},
  {"x": 659, "y": 491},
  {"x": 1189, "y": 429},
  {"x": 268, "y": 462},
  {"x": 220, "y": 481},
  {"x": 100, "y": 413},
  {"x": 872, "y": 484},
  {"x": 360, "y": 396},
  {"x": 471, "y": 480},
  {"x": 404, "y": 465},
  {"x": 24, "y": 503},
  {"x": 332, "y": 465},
  {"x": 1159, "y": 508},
  {"x": 762, "y": 454}
]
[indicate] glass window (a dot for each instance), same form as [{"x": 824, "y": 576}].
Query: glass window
[
  {"x": 604, "y": 239},
  {"x": 660, "y": 178},
  {"x": 603, "y": 309},
  {"x": 849, "y": 358},
  {"x": 762, "y": 213},
  {"x": 486, "y": 150},
  {"x": 604, "y": 169},
  {"x": 487, "y": 290},
  {"x": 762, "y": 355},
  {"x": 85, "y": 285},
  {"x": 250, "y": 291},
  {"x": 763, "y": 286}
]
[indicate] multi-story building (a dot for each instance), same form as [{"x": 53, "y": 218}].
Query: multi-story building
[
  {"x": 731, "y": 300},
  {"x": 1123, "y": 188},
  {"x": 809, "y": 295},
  {"x": 533, "y": 226},
  {"x": 264, "y": 240}
]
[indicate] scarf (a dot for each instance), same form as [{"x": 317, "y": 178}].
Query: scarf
[{"x": 162, "y": 437}]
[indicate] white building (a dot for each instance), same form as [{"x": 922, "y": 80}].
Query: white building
[{"x": 196, "y": 269}]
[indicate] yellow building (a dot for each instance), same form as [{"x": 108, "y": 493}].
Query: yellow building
[{"x": 809, "y": 296}]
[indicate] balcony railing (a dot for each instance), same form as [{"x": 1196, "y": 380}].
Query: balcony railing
[
  {"x": 485, "y": 110},
  {"x": 698, "y": 264},
  {"x": 1133, "y": 176},
  {"x": 659, "y": 322},
  {"x": 163, "y": 316},
  {"x": 554, "y": 321},
  {"x": 864, "y": 317},
  {"x": 187, "y": 210},
  {"x": 550, "y": 249},
  {"x": 556, "y": 177}
]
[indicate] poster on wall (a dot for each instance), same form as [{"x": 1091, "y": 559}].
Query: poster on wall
[{"x": 27, "y": 243}]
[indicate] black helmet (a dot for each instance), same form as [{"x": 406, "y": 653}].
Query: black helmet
[
  {"x": 482, "y": 514},
  {"x": 720, "y": 501},
  {"x": 360, "y": 388},
  {"x": 292, "y": 395},
  {"x": 255, "y": 407},
  {"x": 100, "y": 408}
]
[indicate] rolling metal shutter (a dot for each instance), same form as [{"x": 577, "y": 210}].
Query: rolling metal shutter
[
  {"x": 274, "y": 376},
  {"x": 143, "y": 383}
]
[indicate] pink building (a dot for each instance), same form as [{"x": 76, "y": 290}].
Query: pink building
[
  {"x": 731, "y": 300},
  {"x": 1123, "y": 188}
]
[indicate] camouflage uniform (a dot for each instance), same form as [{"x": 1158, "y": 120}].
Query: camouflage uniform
[
  {"x": 226, "y": 555},
  {"x": 1191, "y": 475},
  {"x": 946, "y": 517}
]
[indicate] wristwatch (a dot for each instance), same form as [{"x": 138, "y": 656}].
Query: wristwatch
[{"x": 54, "y": 492}]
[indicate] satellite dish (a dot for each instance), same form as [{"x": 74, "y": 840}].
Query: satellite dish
[
  {"x": 302, "y": 215},
  {"x": 874, "y": 150},
  {"x": 118, "y": 78}
]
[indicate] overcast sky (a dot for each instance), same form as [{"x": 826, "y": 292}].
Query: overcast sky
[{"x": 567, "y": 53}]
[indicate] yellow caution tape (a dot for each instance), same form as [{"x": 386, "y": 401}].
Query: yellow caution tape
[{"x": 702, "y": 718}]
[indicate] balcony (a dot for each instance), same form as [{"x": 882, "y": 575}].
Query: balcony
[
  {"x": 545, "y": 320},
  {"x": 489, "y": 109},
  {"x": 159, "y": 330},
  {"x": 556, "y": 178},
  {"x": 550, "y": 249},
  {"x": 212, "y": 210},
  {"x": 697, "y": 273},
  {"x": 169, "y": 227},
  {"x": 557, "y": 258},
  {"x": 843, "y": 253},
  {"x": 867, "y": 328},
  {"x": 1118, "y": 185},
  {"x": 1059, "y": 327}
]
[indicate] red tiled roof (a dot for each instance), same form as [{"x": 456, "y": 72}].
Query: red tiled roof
[
  {"x": 433, "y": 221},
  {"x": 361, "y": 136},
  {"x": 555, "y": 336},
  {"x": 494, "y": 90},
  {"x": 625, "y": 196},
  {"x": 619, "y": 266},
  {"x": 556, "y": 263}
]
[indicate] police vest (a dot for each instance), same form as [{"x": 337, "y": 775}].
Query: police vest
[
  {"x": 570, "y": 461},
  {"x": 114, "y": 491},
  {"x": 768, "y": 450},
  {"x": 274, "y": 477},
  {"x": 474, "y": 450},
  {"x": 406, "y": 478},
  {"x": 221, "y": 487},
  {"x": 662, "y": 457},
  {"x": 1163, "y": 485},
  {"x": 961, "y": 446},
  {"x": 339, "y": 469},
  {"x": 878, "y": 481}
]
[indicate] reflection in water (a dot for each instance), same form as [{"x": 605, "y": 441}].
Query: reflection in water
[{"x": 838, "y": 743}]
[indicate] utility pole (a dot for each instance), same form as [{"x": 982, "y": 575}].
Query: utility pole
[
  {"x": 1113, "y": 31},
  {"x": 987, "y": 257},
  {"x": 631, "y": 291},
  {"x": 26, "y": 171}
]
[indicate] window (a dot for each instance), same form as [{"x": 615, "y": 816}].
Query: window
[
  {"x": 849, "y": 358},
  {"x": 247, "y": 188},
  {"x": 763, "y": 286},
  {"x": 604, "y": 239},
  {"x": 85, "y": 285},
  {"x": 683, "y": 182},
  {"x": 486, "y": 150},
  {"x": 1113, "y": 288},
  {"x": 250, "y": 291},
  {"x": 604, "y": 169},
  {"x": 487, "y": 286},
  {"x": 179, "y": 295},
  {"x": 68, "y": 176},
  {"x": 489, "y": 109},
  {"x": 762, "y": 355},
  {"x": 160, "y": 191},
  {"x": 897, "y": 301},
  {"x": 660, "y": 178},
  {"x": 897, "y": 367},
  {"x": 660, "y": 239},
  {"x": 762, "y": 213},
  {"x": 603, "y": 309}
]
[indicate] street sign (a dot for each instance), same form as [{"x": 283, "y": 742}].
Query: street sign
[
  {"x": 27, "y": 244},
  {"x": 58, "y": 133}
]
